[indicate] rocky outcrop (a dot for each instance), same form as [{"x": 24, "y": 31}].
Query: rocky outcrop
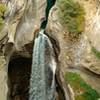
[
  {"x": 16, "y": 37},
  {"x": 77, "y": 53}
]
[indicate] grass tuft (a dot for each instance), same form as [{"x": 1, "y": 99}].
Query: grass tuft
[
  {"x": 71, "y": 16},
  {"x": 2, "y": 10},
  {"x": 95, "y": 52},
  {"x": 82, "y": 90}
]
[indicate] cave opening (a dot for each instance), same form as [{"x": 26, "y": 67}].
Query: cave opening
[
  {"x": 19, "y": 73},
  {"x": 19, "y": 70}
]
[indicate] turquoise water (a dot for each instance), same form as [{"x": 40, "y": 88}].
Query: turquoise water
[
  {"x": 50, "y": 3},
  {"x": 42, "y": 82}
]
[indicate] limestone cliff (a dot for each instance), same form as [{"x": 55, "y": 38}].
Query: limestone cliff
[{"x": 81, "y": 55}]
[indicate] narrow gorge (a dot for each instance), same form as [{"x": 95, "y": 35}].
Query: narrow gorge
[{"x": 49, "y": 49}]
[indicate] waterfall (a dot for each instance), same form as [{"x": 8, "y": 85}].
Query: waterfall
[
  {"x": 43, "y": 69},
  {"x": 50, "y": 3},
  {"x": 42, "y": 82}
]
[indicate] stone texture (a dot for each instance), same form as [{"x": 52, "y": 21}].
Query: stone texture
[
  {"x": 3, "y": 78},
  {"x": 23, "y": 18},
  {"x": 75, "y": 52}
]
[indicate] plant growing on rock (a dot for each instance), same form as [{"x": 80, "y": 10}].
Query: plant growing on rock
[
  {"x": 82, "y": 90},
  {"x": 95, "y": 52},
  {"x": 71, "y": 16},
  {"x": 2, "y": 10}
]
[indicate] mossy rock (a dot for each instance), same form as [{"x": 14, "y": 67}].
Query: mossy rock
[
  {"x": 71, "y": 16},
  {"x": 2, "y": 11},
  {"x": 82, "y": 90},
  {"x": 95, "y": 52}
]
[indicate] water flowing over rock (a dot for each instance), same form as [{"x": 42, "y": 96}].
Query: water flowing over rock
[
  {"x": 42, "y": 86},
  {"x": 43, "y": 68}
]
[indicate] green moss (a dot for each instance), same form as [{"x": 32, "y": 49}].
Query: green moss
[
  {"x": 2, "y": 10},
  {"x": 71, "y": 16},
  {"x": 82, "y": 90},
  {"x": 95, "y": 52}
]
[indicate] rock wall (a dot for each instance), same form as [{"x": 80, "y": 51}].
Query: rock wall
[{"x": 22, "y": 20}]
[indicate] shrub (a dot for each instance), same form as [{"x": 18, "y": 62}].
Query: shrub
[
  {"x": 71, "y": 16},
  {"x": 95, "y": 52},
  {"x": 2, "y": 10},
  {"x": 82, "y": 90}
]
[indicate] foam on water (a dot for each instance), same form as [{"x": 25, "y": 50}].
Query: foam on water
[{"x": 39, "y": 88}]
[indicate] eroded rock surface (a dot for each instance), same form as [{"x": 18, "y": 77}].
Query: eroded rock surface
[{"x": 23, "y": 18}]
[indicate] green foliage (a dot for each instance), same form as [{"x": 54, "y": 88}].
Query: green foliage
[
  {"x": 2, "y": 10},
  {"x": 71, "y": 15},
  {"x": 82, "y": 90},
  {"x": 95, "y": 52}
]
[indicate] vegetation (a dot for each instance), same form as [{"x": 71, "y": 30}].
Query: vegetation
[
  {"x": 82, "y": 90},
  {"x": 95, "y": 52},
  {"x": 2, "y": 10},
  {"x": 71, "y": 16}
]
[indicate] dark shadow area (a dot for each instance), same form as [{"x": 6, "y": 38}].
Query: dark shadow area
[
  {"x": 59, "y": 88},
  {"x": 19, "y": 70}
]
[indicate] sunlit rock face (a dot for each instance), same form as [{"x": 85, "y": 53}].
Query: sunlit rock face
[
  {"x": 20, "y": 23},
  {"x": 75, "y": 49},
  {"x": 77, "y": 53},
  {"x": 22, "y": 18},
  {"x": 95, "y": 32}
]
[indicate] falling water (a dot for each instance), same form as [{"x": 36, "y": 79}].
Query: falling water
[
  {"x": 43, "y": 69},
  {"x": 42, "y": 82}
]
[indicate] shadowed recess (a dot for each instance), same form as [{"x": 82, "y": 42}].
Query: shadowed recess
[{"x": 19, "y": 70}]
